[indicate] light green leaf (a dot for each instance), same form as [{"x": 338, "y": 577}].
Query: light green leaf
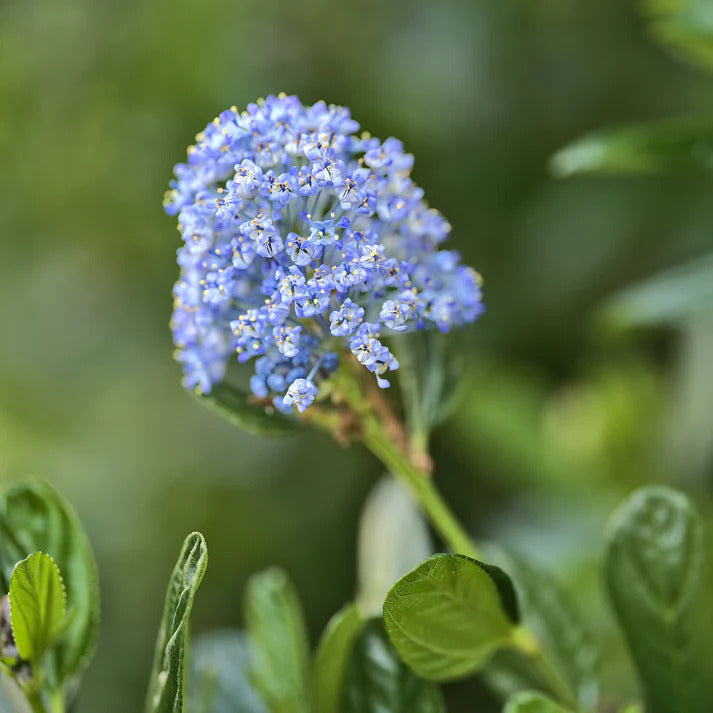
[
  {"x": 378, "y": 681},
  {"x": 682, "y": 144},
  {"x": 34, "y": 517},
  {"x": 448, "y": 616},
  {"x": 429, "y": 373},
  {"x": 278, "y": 642},
  {"x": 667, "y": 298},
  {"x": 393, "y": 539},
  {"x": 658, "y": 572},
  {"x": 685, "y": 27},
  {"x": 549, "y": 615},
  {"x": 218, "y": 681},
  {"x": 38, "y": 605},
  {"x": 532, "y": 702},
  {"x": 235, "y": 406},
  {"x": 332, "y": 657},
  {"x": 165, "y": 694}
]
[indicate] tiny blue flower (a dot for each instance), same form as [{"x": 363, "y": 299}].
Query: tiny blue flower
[{"x": 300, "y": 394}]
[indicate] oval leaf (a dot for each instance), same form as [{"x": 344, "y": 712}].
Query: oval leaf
[
  {"x": 218, "y": 681},
  {"x": 235, "y": 406},
  {"x": 332, "y": 657},
  {"x": 38, "y": 605},
  {"x": 34, "y": 517},
  {"x": 278, "y": 642},
  {"x": 449, "y": 615},
  {"x": 532, "y": 702},
  {"x": 669, "y": 298},
  {"x": 166, "y": 682},
  {"x": 684, "y": 144},
  {"x": 658, "y": 574},
  {"x": 378, "y": 682},
  {"x": 685, "y": 27}
]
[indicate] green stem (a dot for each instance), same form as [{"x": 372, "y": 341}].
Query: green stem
[
  {"x": 524, "y": 641},
  {"x": 397, "y": 459},
  {"x": 57, "y": 702},
  {"x": 34, "y": 698},
  {"x": 419, "y": 483}
]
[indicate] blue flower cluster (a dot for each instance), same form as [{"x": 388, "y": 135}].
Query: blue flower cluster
[{"x": 301, "y": 239}]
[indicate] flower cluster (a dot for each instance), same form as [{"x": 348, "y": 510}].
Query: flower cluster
[{"x": 301, "y": 239}]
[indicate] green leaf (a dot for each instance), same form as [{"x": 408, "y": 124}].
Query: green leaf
[
  {"x": 549, "y": 615},
  {"x": 532, "y": 702},
  {"x": 378, "y": 681},
  {"x": 218, "y": 681},
  {"x": 236, "y": 407},
  {"x": 668, "y": 298},
  {"x": 34, "y": 517},
  {"x": 685, "y": 27},
  {"x": 332, "y": 657},
  {"x": 393, "y": 539},
  {"x": 449, "y": 615},
  {"x": 278, "y": 642},
  {"x": 658, "y": 573},
  {"x": 38, "y": 605},
  {"x": 681, "y": 144},
  {"x": 165, "y": 694},
  {"x": 430, "y": 373}
]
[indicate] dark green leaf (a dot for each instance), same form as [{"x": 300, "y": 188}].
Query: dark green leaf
[
  {"x": 166, "y": 683},
  {"x": 236, "y": 407},
  {"x": 378, "y": 681},
  {"x": 218, "y": 681},
  {"x": 449, "y": 615},
  {"x": 549, "y": 615},
  {"x": 672, "y": 145},
  {"x": 38, "y": 605},
  {"x": 332, "y": 658},
  {"x": 667, "y": 298},
  {"x": 532, "y": 702},
  {"x": 278, "y": 643},
  {"x": 658, "y": 572},
  {"x": 34, "y": 517},
  {"x": 685, "y": 27}
]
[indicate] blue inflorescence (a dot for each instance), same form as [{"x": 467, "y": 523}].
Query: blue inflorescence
[{"x": 302, "y": 239}]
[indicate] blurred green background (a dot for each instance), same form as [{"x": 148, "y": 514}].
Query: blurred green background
[{"x": 562, "y": 411}]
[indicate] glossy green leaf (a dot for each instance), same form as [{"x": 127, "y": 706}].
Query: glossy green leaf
[
  {"x": 550, "y": 616},
  {"x": 218, "y": 675},
  {"x": 332, "y": 657},
  {"x": 448, "y": 616},
  {"x": 378, "y": 681},
  {"x": 34, "y": 517},
  {"x": 393, "y": 539},
  {"x": 667, "y": 298},
  {"x": 684, "y": 144},
  {"x": 658, "y": 573},
  {"x": 685, "y": 27},
  {"x": 279, "y": 649},
  {"x": 166, "y": 684},
  {"x": 38, "y": 605},
  {"x": 237, "y": 408},
  {"x": 532, "y": 702}
]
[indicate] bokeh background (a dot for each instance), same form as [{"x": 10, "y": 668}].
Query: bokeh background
[{"x": 563, "y": 410}]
